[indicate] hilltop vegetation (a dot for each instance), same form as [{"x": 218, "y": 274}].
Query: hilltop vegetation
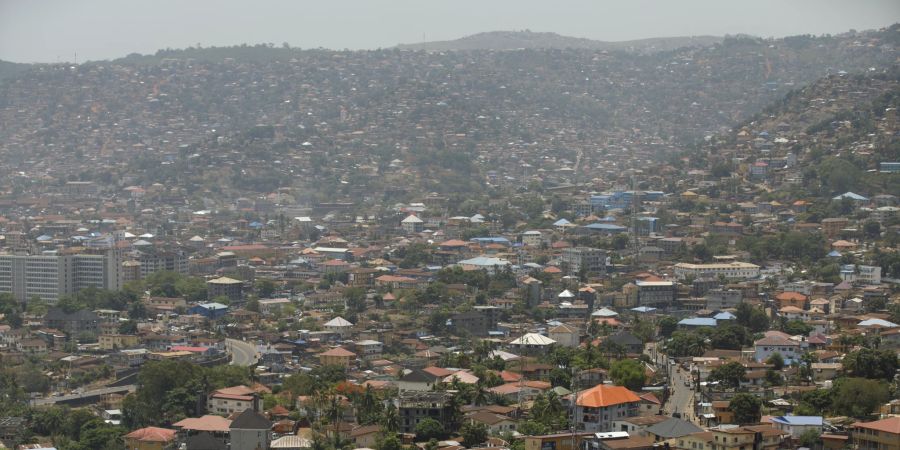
[
  {"x": 514, "y": 40},
  {"x": 338, "y": 123}
]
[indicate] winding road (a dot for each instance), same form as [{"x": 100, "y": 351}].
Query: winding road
[{"x": 242, "y": 353}]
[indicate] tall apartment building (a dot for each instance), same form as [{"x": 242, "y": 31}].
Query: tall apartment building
[
  {"x": 154, "y": 260},
  {"x": 591, "y": 260},
  {"x": 51, "y": 276}
]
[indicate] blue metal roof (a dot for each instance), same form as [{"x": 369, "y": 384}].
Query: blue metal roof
[
  {"x": 698, "y": 322},
  {"x": 798, "y": 420}
]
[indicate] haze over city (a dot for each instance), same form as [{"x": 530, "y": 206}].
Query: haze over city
[
  {"x": 57, "y": 30},
  {"x": 434, "y": 225}
]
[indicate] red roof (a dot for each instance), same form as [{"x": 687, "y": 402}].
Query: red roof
[
  {"x": 338, "y": 352},
  {"x": 152, "y": 434},
  {"x": 604, "y": 395},
  {"x": 890, "y": 425},
  {"x": 205, "y": 423}
]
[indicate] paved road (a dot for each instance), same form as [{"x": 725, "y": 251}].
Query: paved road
[
  {"x": 92, "y": 393},
  {"x": 242, "y": 353},
  {"x": 682, "y": 399}
]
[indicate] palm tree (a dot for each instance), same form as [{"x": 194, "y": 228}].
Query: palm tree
[{"x": 390, "y": 420}]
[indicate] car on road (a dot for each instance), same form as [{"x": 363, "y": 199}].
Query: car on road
[{"x": 687, "y": 383}]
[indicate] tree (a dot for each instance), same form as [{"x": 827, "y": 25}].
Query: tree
[
  {"x": 686, "y": 343},
  {"x": 429, "y": 428},
  {"x": 871, "y": 363},
  {"x": 667, "y": 326},
  {"x": 729, "y": 375},
  {"x": 474, "y": 434},
  {"x": 389, "y": 442},
  {"x": 265, "y": 288},
  {"x": 390, "y": 421},
  {"x": 629, "y": 373},
  {"x": 746, "y": 408},
  {"x": 809, "y": 438},
  {"x": 858, "y": 397},
  {"x": 776, "y": 360},
  {"x": 356, "y": 299},
  {"x": 728, "y": 337},
  {"x": 753, "y": 318},
  {"x": 872, "y": 229},
  {"x": 797, "y": 327}
]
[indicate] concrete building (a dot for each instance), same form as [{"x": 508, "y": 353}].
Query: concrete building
[
  {"x": 230, "y": 288},
  {"x": 250, "y": 431},
  {"x": 878, "y": 435},
  {"x": 578, "y": 259},
  {"x": 598, "y": 407},
  {"x": 732, "y": 270},
  {"x": 658, "y": 294},
  {"x": 416, "y": 406},
  {"x": 412, "y": 224},
  {"x": 52, "y": 276}
]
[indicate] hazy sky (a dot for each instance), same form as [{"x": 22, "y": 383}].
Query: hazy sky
[{"x": 54, "y": 30}]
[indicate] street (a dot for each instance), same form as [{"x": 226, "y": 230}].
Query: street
[
  {"x": 681, "y": 397},
  {"x": 242, "y": 353}
]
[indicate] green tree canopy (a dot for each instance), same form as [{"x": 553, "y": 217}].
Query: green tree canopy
[
  {"x": 629, "y": 373},
  {"x": 746, "y": 408}
]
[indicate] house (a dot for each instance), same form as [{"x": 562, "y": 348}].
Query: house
[
  {"x": 559, "y": 441},
  {"x": 635, "y": 426},
  {"x": 365, "y": 436},
  {"x": 762, "y": 437},
  {"x": 797, "y": 425},
  {"x": 495, "y": 423},
  {"x": 532, "y": 342},
  {"x": 250, "y": 431},
  {"x": 722, "y": 411},
  {"x": 227, "y": 401},
  {"x": 826, "y": 371},
  {"x": 417, "y": 380},
  {"x": 150, "y": 438},
  {"x": 696, "y": 322},
  {"x": 773, "y": 343},
  {"x": 118, "y": 341},
  {"x": 337, "y": 357},
  {"x": 291, "y": 442},
  {"x": 672, "y": 428},
  {"x": 368, "y": 348},
  {"x": 629, "y": 342},
  {"x": 211, "y": 311},
  {"x": 340, "y": 326},
  {"x": 75, "y": 324},
  {"x": 598, "y": 407},
  {"x": 880, "y": 434},
  {"x": 206, "y": 432},
  {"x": 412, "y": 224},
  {"x": 795, "y": 299},
  {"x": 565, "y": 335},
  {"x": 521, "y": 390}
]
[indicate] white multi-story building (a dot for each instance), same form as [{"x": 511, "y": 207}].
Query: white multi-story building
[
  {"x": 861, "y": 274},
  {"x": 732, "y": 270},
  {"x": 50, "y": 276},
  {"x": 598, "y": 407}
]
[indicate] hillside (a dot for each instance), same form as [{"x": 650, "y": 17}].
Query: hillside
[
  {"x": 822, "y": 140},
  {"x": 514, "y": 40},
  {"x": 11, "y": 69},
  {"x": 386, "y": 125}
]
